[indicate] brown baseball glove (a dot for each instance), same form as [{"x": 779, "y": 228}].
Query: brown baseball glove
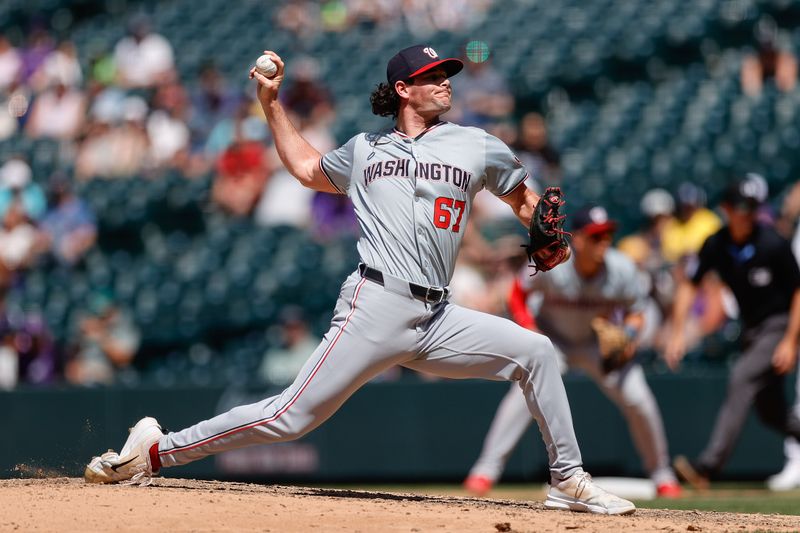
[
  {"x": 617, "y": 346},
  {"x": 547, "y": 247}
]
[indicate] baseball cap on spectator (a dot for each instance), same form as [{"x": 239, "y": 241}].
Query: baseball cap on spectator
[
  {"x": 691, "y": 195},
  {"x": 746, "y": 194},
  {"x": 15, "y": 174},
  {"x": 592, "y": 220},
  {"x": 657, "y": 202},
  {"x": 415, "y": 60}
]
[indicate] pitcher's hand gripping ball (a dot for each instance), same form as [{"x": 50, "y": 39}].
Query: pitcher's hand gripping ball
[
  {"x": 265, "y": 66},
  {"x": 548, "y": 245}
]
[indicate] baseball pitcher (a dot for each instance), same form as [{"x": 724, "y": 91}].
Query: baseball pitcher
[{"x": 412, "y": 188}]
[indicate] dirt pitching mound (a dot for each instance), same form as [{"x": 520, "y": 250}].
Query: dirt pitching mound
[{"x": 68, "y": 504}]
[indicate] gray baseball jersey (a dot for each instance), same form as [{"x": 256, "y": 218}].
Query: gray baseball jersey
[
  {"x": 565, "y": 305},
  {"x": 412, "y": 198}
]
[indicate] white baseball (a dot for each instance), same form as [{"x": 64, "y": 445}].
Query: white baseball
[{"x": 265, "y": 66}]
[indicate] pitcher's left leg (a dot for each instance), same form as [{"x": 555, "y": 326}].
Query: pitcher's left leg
[{"x": 461, "y": 343}]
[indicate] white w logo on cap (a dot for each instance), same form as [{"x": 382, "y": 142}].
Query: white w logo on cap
[{"x": 431, "y": 52}]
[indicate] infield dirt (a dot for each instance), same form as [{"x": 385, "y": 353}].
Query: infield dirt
[{"x": 68, "y": 504}]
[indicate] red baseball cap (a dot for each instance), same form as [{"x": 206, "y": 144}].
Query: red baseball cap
[
  {"x": 415, "y": 60},
  {"x": 593, "y": 220}
]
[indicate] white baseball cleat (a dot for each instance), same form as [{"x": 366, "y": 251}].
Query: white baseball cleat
[
  {"x": 132, "y": 464},
  {"x": 786, "y": 479},
  {"x": 579, "y": 493}
]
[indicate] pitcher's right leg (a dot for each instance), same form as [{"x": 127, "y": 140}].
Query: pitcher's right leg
[{"x": 370, "y": 332}]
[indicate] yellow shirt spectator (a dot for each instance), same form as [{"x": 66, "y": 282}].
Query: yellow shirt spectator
[{"x": 681, "y": 238}]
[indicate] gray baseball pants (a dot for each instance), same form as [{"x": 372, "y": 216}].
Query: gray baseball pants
[
  {"x": 626, "y": 387},
  {"x": 752, "y": 381},
  {"x": 374, "y": 328}
]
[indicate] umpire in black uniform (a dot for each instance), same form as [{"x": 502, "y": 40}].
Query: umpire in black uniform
[{"x": 759, "y": 267}]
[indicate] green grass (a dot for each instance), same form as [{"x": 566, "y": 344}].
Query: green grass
[
  {"x": 733, "y": 498},
  {"x": 724, "y": 497}
]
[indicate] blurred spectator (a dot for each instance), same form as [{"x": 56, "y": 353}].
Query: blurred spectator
[
  {"x": 211, "y": 101},
  {"x": 772, "y": 58},
  {"x": 282, "y": 364},
  {"x": 102, "y": 70},
  {"x": 368, "y": 14},
  {"x": 167, "y": 128},
  {"x": 16, "y": 183},
  {"x": 683, "y": 235},
  {"x": 10, "y": 64},
  {"x": 61, "y": 66},
  {"x": 224, "y": 132},
  {"x": 36, "y": 50},
  {"x": 58, "y": 112},
  {"x": 644, "y": 248},
  {"x": 300, "y": 17},
  {"x": 242, "y": 170},
  {"x": 19, "y": 243},
  {"x": 27, "y": 352},
  {"x": 469, "y": 286},
  {"x": 106, "y": 343},
  {"x": 69, "y": 227},
  {"x": 274, "y": 209},
  {"x": 485, "y": 271},
  {"x": 305, "y": 95},
  {"x": 711, "y": 306},
  {"x": 481, "y": 95},
  {"x": 116, "y": 151},
  {"x": 143, "y": 58},
  {"x": 425, "y": 17},
  {"x": 540, "y": 159},
  {"x": 333, "y": 16},
  {"x": 332, "y": 217}
]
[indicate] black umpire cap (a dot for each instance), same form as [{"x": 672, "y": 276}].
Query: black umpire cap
[
  {"x": 747, "y": 193},
  {"x": 415, "y": 60}
]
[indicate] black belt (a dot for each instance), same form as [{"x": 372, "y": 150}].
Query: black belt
[{"x": 432, "y": 295}]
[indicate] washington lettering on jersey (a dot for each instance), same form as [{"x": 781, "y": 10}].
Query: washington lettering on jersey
[{"x": 399, "y": 168}]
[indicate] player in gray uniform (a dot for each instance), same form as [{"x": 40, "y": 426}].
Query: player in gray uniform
[
  {"x": 412, "y": 187},
  {"x": 596, "y": 281}
]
